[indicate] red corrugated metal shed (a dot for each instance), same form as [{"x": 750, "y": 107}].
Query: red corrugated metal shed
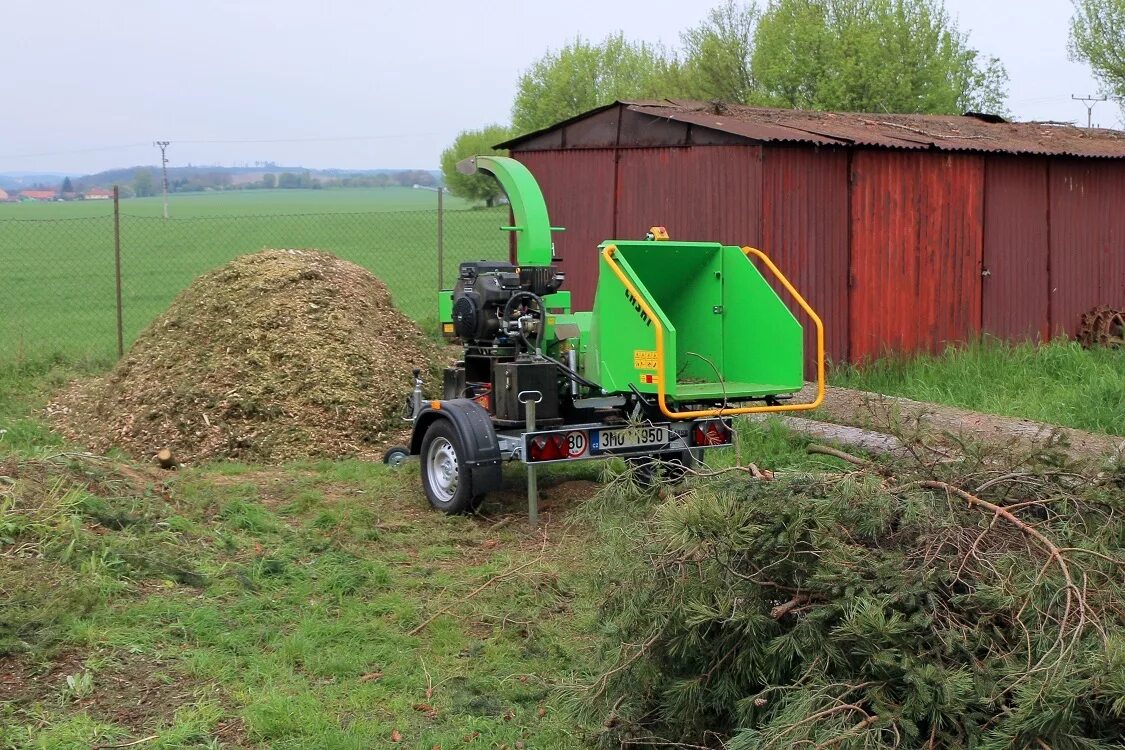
[{"x": 906, "y": 232}]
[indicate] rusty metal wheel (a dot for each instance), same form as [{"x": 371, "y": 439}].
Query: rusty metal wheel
[{"x": 1102, "y": 326}]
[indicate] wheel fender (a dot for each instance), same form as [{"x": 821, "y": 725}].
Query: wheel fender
[{"x": 474, "y": 427}]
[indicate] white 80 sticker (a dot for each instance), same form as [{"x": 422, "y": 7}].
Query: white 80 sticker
[{"x": 575, "y": 444}]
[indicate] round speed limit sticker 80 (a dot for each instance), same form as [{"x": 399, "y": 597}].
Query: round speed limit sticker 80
[{"x": 577, "y": 444}]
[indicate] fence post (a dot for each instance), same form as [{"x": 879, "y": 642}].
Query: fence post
[
  {"x": 440, "y": 239},
  {"x": 117, "y": 267}
]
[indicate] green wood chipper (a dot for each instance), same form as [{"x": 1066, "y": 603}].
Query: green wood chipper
[{"x": 683, "y": 337}]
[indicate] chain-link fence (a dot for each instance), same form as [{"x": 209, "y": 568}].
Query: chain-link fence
[{"x": 58, "y": 284}]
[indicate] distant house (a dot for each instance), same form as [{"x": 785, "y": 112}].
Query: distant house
[
  {"x": 98, "y": 194},
  {"x": 4, "y": 198},
  {"x": 37, "y": 195}
]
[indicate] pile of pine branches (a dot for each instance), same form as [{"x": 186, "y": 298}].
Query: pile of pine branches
[{"x": 968, "y": 599}]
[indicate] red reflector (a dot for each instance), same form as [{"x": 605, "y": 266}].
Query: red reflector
[
  {"x": 711, "y": 433},
  {"x": 546, "y": 448}
]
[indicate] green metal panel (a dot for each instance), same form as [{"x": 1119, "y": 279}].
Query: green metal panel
[
  {"x": 763, "y": 341},
  {"x": 726, "y": 333},
  {"x": 445, "y": 306},
  {"x": 559, "y": 301}
]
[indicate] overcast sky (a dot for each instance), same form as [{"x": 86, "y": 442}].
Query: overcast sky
[{"x": 88, "y": 85}]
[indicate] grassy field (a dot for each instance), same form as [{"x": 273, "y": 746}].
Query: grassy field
[
  {"x": 58, "y": 281},
  {"x": 1059, "y": 383},
  {"x": 296, "y": 607},
  {"x": 242, "y": 203}
]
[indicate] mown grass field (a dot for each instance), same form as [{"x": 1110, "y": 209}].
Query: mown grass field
[
  {"x": 58, "y": 260},
  {"x": 304, "y": 606},
  {"x": 242, "y": 203},
  {"x": 1058, "y": 383}
]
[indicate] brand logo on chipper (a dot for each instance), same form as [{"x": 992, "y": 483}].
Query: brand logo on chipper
[{"x": 637, "y": 306}]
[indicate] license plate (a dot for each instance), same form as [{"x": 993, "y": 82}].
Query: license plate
[{"x": 604, "y": 441}]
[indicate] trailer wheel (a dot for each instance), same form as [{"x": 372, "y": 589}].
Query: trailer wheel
[
  {"x": 648, "y": 471},
  {"x": 446, "y": 479},
  {"x": 396, "y": 456}
]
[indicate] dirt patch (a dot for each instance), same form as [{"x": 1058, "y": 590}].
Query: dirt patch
[
  {"x": 276, "y": 355},
  {"x": 556, "y": 496},
  {"x": 138, "y": 693}
]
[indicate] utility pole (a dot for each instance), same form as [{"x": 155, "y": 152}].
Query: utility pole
[
  {"x": 163, "y": 146},
  {"x": 1090, "y": 102}
]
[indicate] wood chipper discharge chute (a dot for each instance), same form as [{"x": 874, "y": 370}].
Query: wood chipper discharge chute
[{"x": 683, "y": 336}]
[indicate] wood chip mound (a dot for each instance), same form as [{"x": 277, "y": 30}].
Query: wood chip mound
[{"x": 278, "y": 355}]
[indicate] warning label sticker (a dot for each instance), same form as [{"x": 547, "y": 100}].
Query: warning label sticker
[{"x": 644, "y": 360}]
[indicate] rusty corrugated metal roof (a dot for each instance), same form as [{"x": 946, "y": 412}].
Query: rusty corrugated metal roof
[{"x": 939, "y": 132}]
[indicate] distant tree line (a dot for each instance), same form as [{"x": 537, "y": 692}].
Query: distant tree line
[
  {"x": 906, "y": 56},
  {"x": 144, "y": 182}
]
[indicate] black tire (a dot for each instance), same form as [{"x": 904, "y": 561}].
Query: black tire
[
  {"x": 396, "y": 456},
  {"x": 446, "y": 479},
  {"x": 649, "y": 471}
]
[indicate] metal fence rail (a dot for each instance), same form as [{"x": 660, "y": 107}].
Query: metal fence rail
[{"x": 59, "y": 287}]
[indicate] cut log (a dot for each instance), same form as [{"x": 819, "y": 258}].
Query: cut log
[
  {"x": 166, "y": 459},
  {"x": 890, "y": 413},
  {"x": 853, "y": 437}
]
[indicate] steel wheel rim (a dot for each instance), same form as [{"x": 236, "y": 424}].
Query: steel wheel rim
[
  {"x": 441, "y": 469},
  {"x": 396, "y": 459}
]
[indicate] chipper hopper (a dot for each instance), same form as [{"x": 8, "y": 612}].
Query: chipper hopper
[{"x": 683, "y": 337}]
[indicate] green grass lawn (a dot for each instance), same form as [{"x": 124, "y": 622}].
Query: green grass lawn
[
  {"x": 1059, "y": 383},
  {"x": 58, "y": 279},
  {"x": 242, "y": 203},
  {"x": 298, "y": 607},
  {"x": 249, "y": 606}
]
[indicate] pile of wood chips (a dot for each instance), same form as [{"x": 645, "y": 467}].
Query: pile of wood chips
[{"x": 277, "y": 355}]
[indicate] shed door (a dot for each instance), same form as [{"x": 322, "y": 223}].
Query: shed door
[
  {"x": 1014, "y": 303},
  {"x": 916, "y": 242}
]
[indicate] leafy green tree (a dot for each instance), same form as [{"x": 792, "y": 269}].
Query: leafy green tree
[
  {"x": 475, "y": 187},
  {"x": 269, "y": 180},
  {"x": 1097, "y": 38},
  {"x": 143, "y": 183},
  {"x": 583, "y": 75},
  {"x": 718, "y": 54},
  {"x": 872, "y": 56},
  {"x": 67, "y": 187}
]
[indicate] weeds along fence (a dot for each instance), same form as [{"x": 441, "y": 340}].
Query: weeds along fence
[{"x": 59, "y": 280}]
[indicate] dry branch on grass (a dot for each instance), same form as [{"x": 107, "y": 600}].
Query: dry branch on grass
[{"x": 494, "y": 579}]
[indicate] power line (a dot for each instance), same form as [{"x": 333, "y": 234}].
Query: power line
[
  {"x": 74, "y": 151},
  {"x": 1090, "y": 102},
  {"x": 313, "y": 139}
]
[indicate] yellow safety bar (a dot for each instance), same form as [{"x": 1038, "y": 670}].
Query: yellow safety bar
[{"x": 722, "y": 411}]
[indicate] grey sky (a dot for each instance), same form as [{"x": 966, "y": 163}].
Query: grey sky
[{"x": 90, "y": 77}]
